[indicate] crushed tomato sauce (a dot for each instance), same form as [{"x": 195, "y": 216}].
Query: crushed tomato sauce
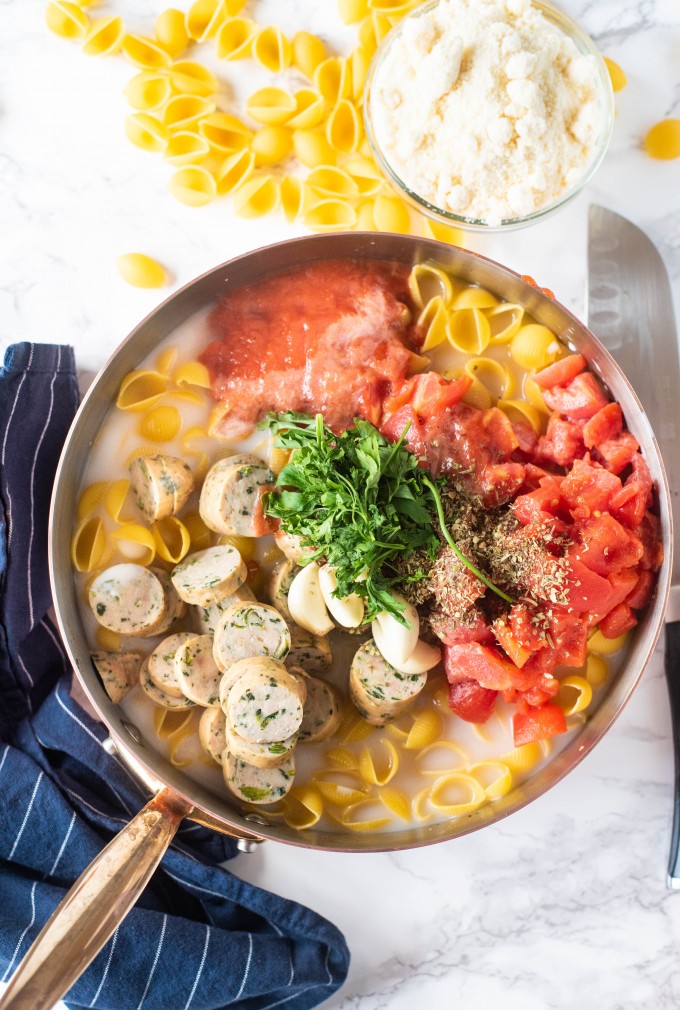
[{"x": 329, "y": 337}]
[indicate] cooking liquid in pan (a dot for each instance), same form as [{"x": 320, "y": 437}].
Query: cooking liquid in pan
[{"x": 459, "y": 745}]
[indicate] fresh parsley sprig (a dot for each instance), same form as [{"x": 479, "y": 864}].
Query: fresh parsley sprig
[{"x": 359, "y": 501}]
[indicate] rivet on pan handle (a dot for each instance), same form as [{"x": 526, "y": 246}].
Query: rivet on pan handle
[{"x": 98, "y": 901}]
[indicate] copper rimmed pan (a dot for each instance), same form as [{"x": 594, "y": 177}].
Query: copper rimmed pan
[{"x": 109, "y": 888}]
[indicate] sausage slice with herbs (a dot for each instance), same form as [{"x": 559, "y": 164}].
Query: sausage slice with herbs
[
  {"x": 247, "y": 630},
  {"x": 261, "y": 755},
  {"x": 161, "y": 485},
  {"x": 159, "y": 697},
  {"x": 257, "y": 785},
  {"x": 265, "y": 707},
  {"x": 322, "y": 712},
  {"x": 312, "y": 652},
  {"x": 129, "y": 599},
  {"x": 161, "y": 664},
  {"x": 176, "y": 606},
  {"x": 378, "y": 691},
  {"x": 208, "y": 576},
  {"x": 278, "y": 585},
  {"x": 231, "y": 498},
  {"x": 212, "y": 732},
  {"x": 206, "y": 619},
  {"x": 196, "y": 671},
  {"x": 119, "y": 672}
]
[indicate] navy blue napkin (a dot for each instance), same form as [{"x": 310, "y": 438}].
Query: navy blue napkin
[{"x": 199, "y": 937}]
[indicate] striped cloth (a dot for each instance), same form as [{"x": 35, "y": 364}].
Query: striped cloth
[{"x": 199, "y": 937}]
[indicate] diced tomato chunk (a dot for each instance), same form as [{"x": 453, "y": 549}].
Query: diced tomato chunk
[
  {"x": 546, "y": 498},
  {"x": 477, "y": 662},
  {"x": 452, "y": 632},
  {"x": 618, "y": 621},
  {"x": 433, "y": 394},
  {"x": 618, "y": 452},
  {"x": 640, "y": 474},
  {"x": 579, "y": 400},
  {"x": 542, "y": 692},
  {"x": 538, "y": 724},
  {"x": 517, "y": 652},
  {"x": 499, "y": 482},
  {"x": 562, "y": 442},
  {"x": 606, "y": 424},
  {"x": 393, "y": 427},
  {"x": 588, "y": 488},
  {"x": 533, "y": 475},
  {"x": 640, "y": 595},
  {"x": 587, "y": 590},
  {"x": 528, "y": 679},
  {"x": 400, "y": 396},
  {"x": 470, "y": 701},
  {"x": 630, "y": 503},
  {"x": 526, "y": 437},
  {"x": 370, "y": 403},
  {"x": 650, "y": 535},
  {"x": 622, "y": 584},
  {"x": 523, "y": 629},
  {"x": 428, "y": 393},
  {"x": 499, "y": 428},
  {"x": 262, "y": 524},
  {"x": 540, "y": 666},
  {"x": 569, "y": 635},
  {"x": 561, "y": 372},
  {"x": 605, "y": 546}
]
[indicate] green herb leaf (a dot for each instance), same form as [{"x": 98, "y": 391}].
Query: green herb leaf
[
  {"x": 253, "y": 793},
  {"x": 358, "y": 500}
]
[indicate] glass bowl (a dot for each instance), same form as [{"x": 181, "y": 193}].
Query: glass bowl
[{"x": 585, "y": 46}]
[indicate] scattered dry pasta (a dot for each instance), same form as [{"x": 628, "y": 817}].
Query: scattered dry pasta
[
  {"x": 616, "y": 74},
  {"x": 170, "y": 31},
  {"x": 104, "y": 37},
  {"x": 180, "y": 109},
  {"x": 662, "y": 141},
  {"x": 67, "y": 20},
  {"x": 141, "y": 270}
]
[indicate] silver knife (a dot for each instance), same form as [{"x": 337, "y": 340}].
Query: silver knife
[{"x": 630, "y": 309}]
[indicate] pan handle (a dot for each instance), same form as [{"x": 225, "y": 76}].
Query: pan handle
[{"x": 98, "y": 901}]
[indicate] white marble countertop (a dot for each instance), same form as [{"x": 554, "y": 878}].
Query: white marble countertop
[{"x": 564, "y": 904}]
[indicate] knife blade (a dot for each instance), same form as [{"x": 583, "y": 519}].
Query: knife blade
[{"x": 630, "y": 310}]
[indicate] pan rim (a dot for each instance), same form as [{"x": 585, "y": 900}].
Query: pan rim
[{"x": 353, "y": 245}]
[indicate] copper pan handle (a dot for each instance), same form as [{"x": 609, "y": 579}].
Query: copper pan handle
[{"x": 98, "y": 901}]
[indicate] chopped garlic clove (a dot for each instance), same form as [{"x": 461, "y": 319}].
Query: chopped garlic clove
[
  {"x": 305, "y": 601},
  {"x": 399, "y": 640},
  {"x": 423, "y": 658},
  {"x": 348, "y": 611}
]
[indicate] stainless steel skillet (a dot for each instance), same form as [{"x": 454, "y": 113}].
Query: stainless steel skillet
[{"x": 111, "y": 885}]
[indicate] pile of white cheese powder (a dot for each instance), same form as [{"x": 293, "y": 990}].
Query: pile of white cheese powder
[{"x": 485, "y": 109}]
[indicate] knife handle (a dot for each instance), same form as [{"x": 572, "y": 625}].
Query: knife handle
[{"x": 673, "y": 681}]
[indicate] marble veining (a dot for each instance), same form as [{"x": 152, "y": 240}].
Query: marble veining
[{"x": 563, "y": 905}]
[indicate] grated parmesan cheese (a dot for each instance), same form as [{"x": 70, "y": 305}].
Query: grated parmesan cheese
[{"x": 485, "y": 109}]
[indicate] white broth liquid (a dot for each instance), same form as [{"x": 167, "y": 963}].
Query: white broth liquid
[{"x": 359, "y": 757}]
